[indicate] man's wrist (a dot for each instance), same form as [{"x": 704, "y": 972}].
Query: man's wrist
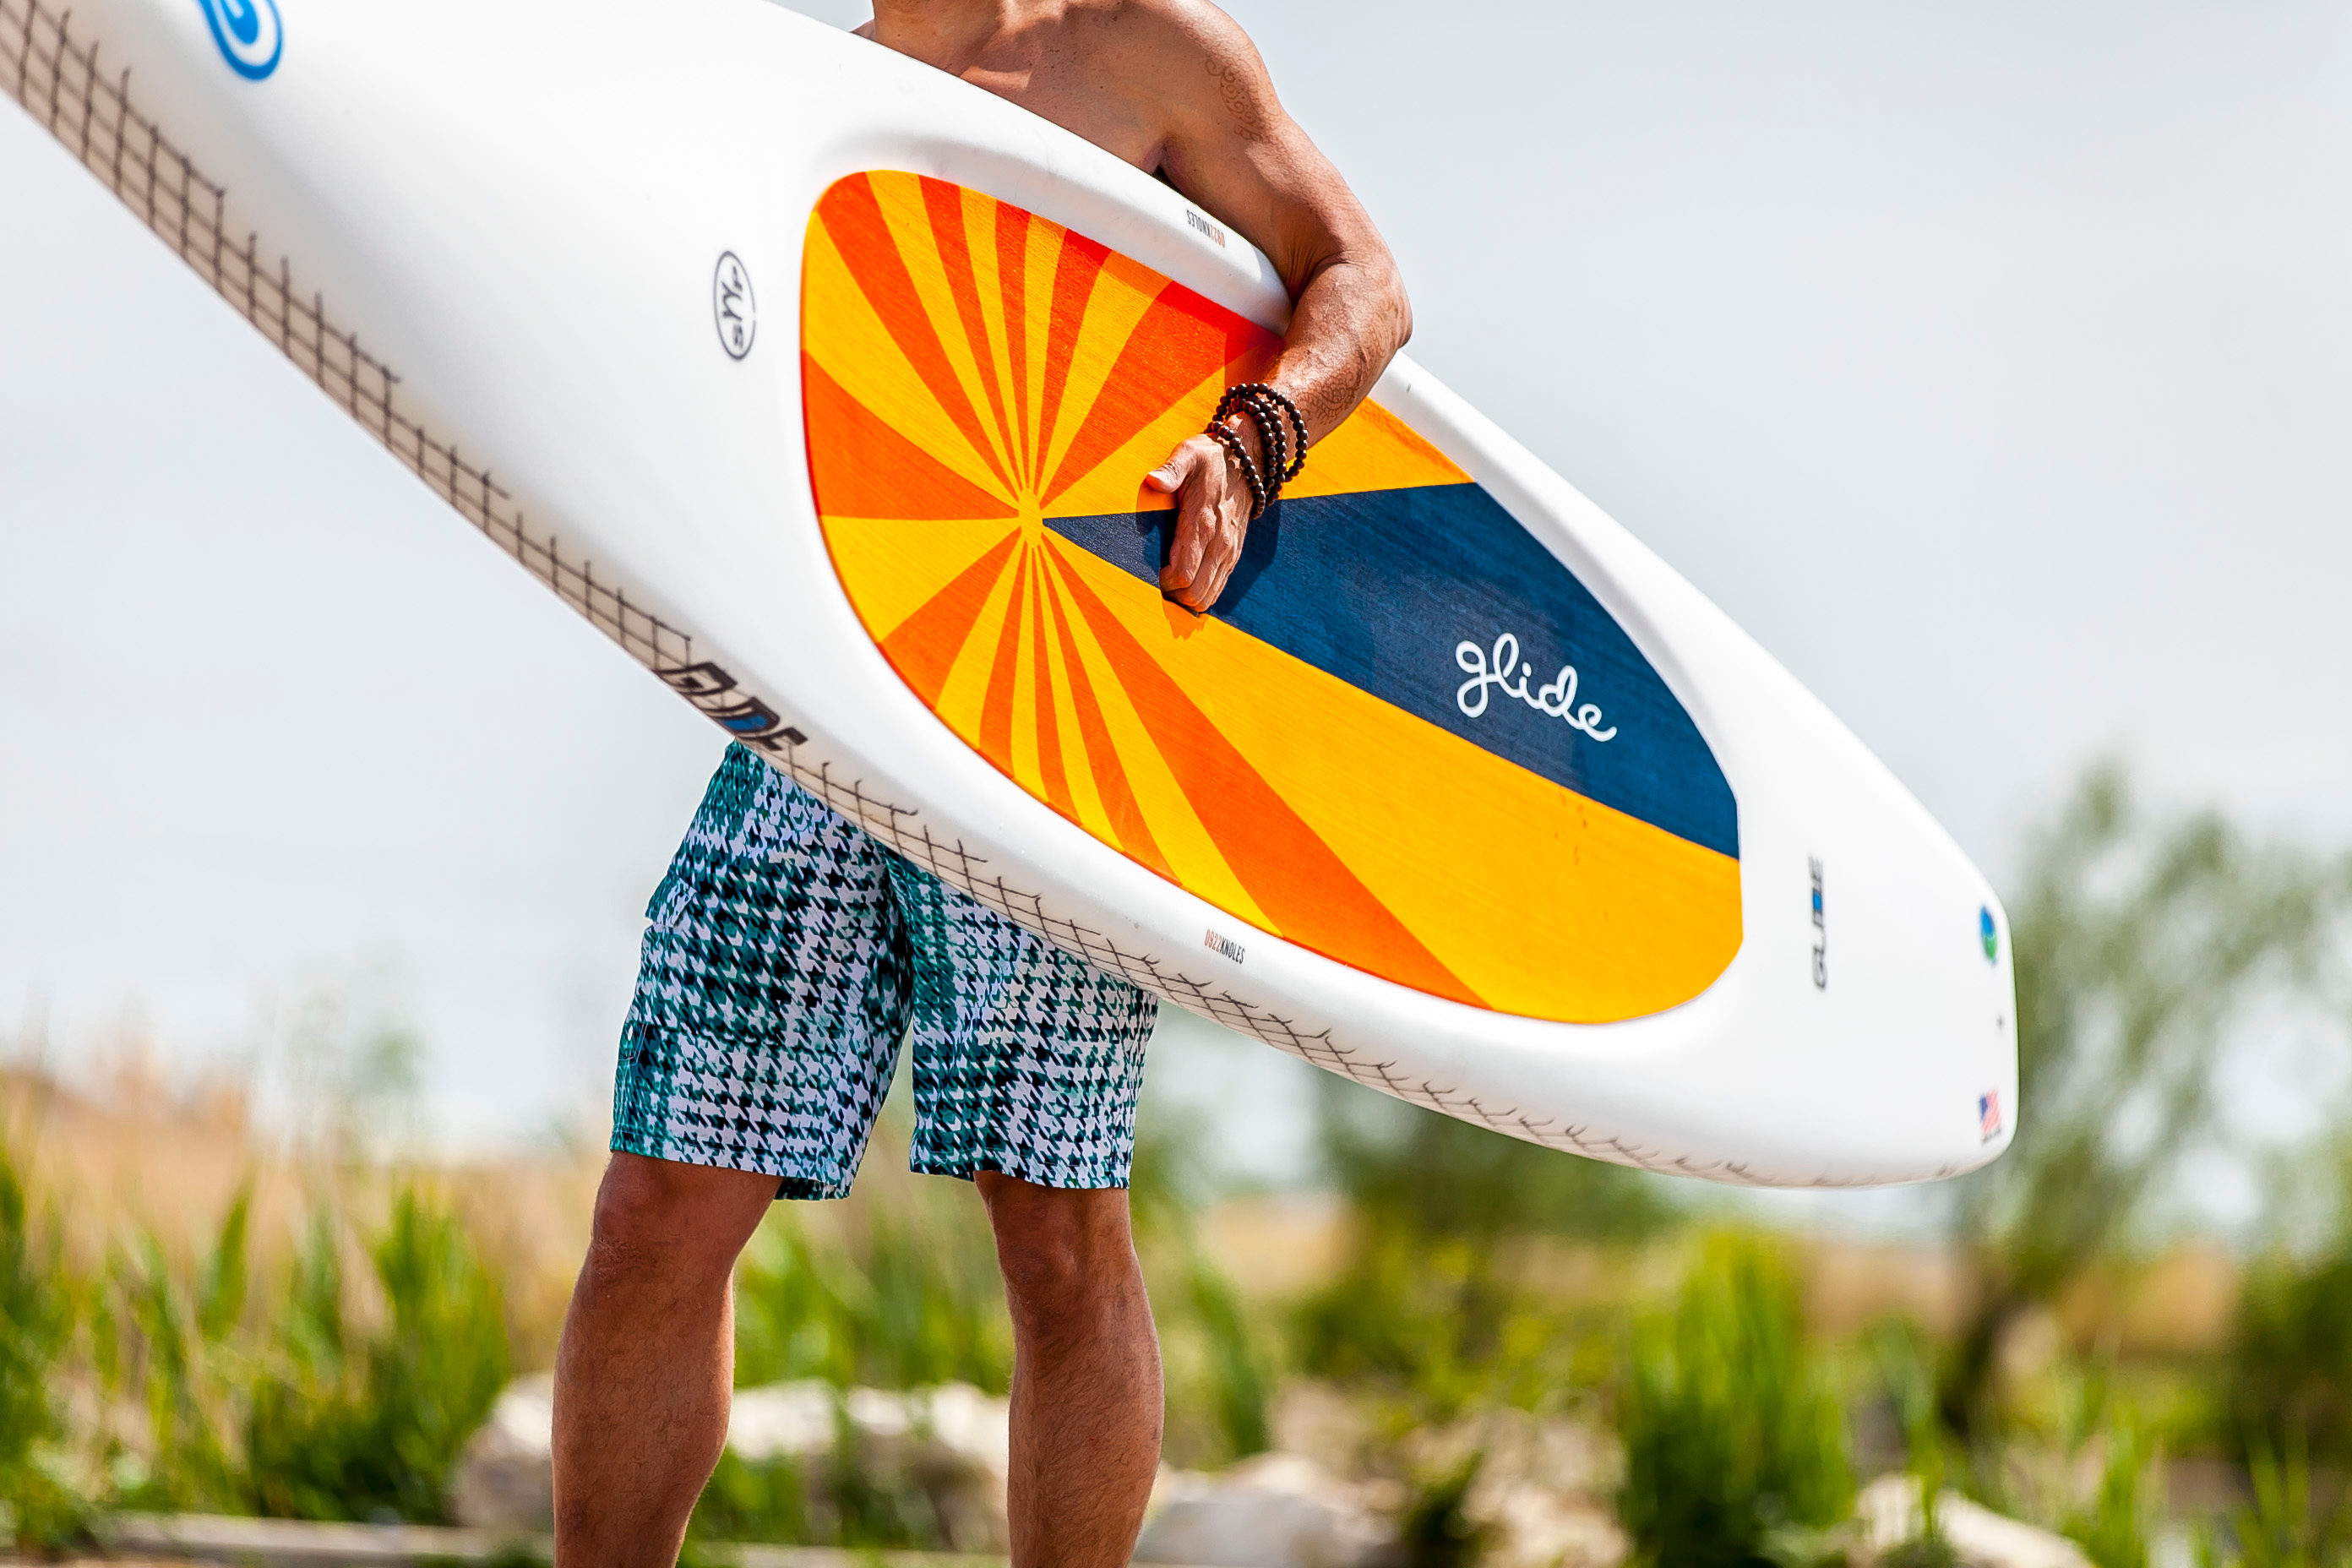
[{"x": 1243, "y": 425}]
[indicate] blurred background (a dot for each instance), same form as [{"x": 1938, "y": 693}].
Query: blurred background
[{"x": 1988, "y": 363}]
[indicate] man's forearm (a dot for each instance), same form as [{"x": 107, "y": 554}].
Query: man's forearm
[{"x": 1350, "y": 321}]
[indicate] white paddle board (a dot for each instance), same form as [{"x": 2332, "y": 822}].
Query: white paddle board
[{"x": 825, "y": 384}]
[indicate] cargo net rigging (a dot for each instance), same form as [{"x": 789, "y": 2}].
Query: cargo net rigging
[{"x": 63, "y": 84}]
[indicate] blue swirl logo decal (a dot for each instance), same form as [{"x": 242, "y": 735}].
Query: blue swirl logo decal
[{"x": 249, "y": 34}]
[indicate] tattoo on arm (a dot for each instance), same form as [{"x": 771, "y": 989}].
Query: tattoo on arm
[
  {"x": 1325, "y": 402},
  {"x": 1233, "y": 87}
]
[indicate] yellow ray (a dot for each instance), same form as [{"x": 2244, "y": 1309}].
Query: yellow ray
[
  {"x": 1123, "y": 290},
  {"x": 893, "y": 567},
  {"x": 1115, "y": 484},
  {"x": 1020, "y": 637},
  {"x": 978, "y": 215},
  {"x": 909, "y": 218},
  {"x": 1193, "y": 857},
  {"x": 1077, "y": 765},
  {"x": 965, "y": 691},
  {"x": 1373, "y": 449},
  {"x": 842, "y": 332},
  {"x": 1043, "y": 259}
]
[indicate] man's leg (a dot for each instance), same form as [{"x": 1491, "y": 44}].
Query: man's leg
[
  {"x": 647, "y": 1360},
  {"x": 1086, "y": 1372}
]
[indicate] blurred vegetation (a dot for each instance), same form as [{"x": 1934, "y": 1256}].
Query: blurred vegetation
[
  {"x": 37, "y": 1308},
  {"x": 345, "y": 1425},
  {"x": 315, "y": 1329},
  {"x": 1735, "y": 1432},
  {"x": 297, "y": 1395},
  {"x": 847, "y": 1498},
  {"x": 1439, "y": 1301},
  {"x": 910, "y": 1299},
  {"x": 2289, "y": 1369},
  {"x": 897, "y": 1289},
  {"x": 328, "y": 1363},
  {"x": 2140, "y": 945}
]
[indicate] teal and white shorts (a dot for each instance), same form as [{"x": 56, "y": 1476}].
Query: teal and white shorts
[{"x": 788, "y": 953}]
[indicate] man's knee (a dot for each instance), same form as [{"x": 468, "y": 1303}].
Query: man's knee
[
  {"x": 1060, "y": 1249},
  {"x": 679, "y": 1223}
]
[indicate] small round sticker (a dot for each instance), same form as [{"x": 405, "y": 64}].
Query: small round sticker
[
  {"x": 1990, "y": 933},
  {"x": 249, "y": 33},
  {"x": 733, "y": 306}
]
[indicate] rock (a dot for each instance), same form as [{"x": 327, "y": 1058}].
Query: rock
[
  {"x": 1888, "y": 1511},
  {"x": 1276, "y": 1511},
  {"x": 782, "y": 1421},
  {"x": 1324, "y": 1423},
  {"x": 506, "y": 1478},
  {"x": 1539, "y": 1493},
  {"x": 1534, "y": 1527},
  {"x": 950, "y": 1441}
]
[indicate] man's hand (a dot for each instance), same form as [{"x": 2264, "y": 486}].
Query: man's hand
[
  {"x": 1212, "y": 515},
  {"x": 1226, "y": 144}
]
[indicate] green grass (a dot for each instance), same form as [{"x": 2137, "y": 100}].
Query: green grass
[
  {"x": 1733, "y": 1430},
  {"x": 43, "y": 1507},
  {"x": 306, "y": 1395},
  {"x": 913, "y": 1300},
  {"x": 366, "y": 1425}
]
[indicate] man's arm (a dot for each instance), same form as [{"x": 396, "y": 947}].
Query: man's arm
[{"x": 1232, "y": 149}]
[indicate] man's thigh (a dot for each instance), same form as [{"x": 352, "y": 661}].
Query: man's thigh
[{"x": 772, "y": 993}]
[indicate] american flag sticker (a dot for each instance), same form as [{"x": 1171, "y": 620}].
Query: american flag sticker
[{"x": 1989, "y": 1115}]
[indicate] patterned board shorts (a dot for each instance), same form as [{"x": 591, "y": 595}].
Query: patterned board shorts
[{"x": 788, "y": 953}]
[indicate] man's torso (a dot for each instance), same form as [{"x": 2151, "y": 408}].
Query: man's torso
[{"x": 1133, "y": 77}]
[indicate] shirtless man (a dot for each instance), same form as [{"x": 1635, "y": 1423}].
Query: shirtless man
[{"x": 788, "y": 953}]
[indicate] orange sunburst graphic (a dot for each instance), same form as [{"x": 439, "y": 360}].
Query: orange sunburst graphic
[
  {"x": 984, "y": 392},
  {"x": 971, "y": 370}
]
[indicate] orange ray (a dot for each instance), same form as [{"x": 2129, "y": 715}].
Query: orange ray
[
  {"x": 944, "y": 204},
  {"x": 1182, "y": 338},
  {"x": 853, "y": 217},
  {"x": 924, "y": 647},
  {"x": 1309, "y": 893},
  {"x": 859, "y": 467},
  {"x": 1133, "y": 835},
  {"x": 1012, "y": 271},
  {"x": 1074, "y": 284},
  {"x": 996, "y": 710},
  {"x": 1049, "y": 729}
]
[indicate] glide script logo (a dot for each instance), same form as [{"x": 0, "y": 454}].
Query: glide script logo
[
  {"x": 1507, "y": 673},
  {"x": 249, "y": 34}
]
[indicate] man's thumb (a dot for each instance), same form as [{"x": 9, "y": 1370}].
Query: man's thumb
[{"x": 1169, "y": 477}]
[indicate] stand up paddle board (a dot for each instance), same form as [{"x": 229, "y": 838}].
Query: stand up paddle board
[{"x": 825, "y": 384}]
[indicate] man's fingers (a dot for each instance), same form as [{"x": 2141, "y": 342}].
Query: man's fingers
[
  {"x": 1221, "y": 552},
  {"x": 1213, "y": 536},
  {"x": 1194, "y": 521},
  {"x": 1211, "y": 513},
  {"x": 1193, "y": 484}
]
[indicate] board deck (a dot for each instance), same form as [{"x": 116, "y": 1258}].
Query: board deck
[
  {"x": 1336, "y": 755},
  {"x": 825, "y": 384}
]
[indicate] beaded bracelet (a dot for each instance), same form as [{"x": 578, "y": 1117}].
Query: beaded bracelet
[
  {"x": 1270, "y": 437},
  {"x": 1263, "y": 405},
  {"x": 1253, "y": 395}
]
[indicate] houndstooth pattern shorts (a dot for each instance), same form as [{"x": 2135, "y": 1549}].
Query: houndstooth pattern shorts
[{"x": 788, "y": 953}]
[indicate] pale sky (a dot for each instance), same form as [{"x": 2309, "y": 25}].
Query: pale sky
[{"x": 1990, "y": 362}]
